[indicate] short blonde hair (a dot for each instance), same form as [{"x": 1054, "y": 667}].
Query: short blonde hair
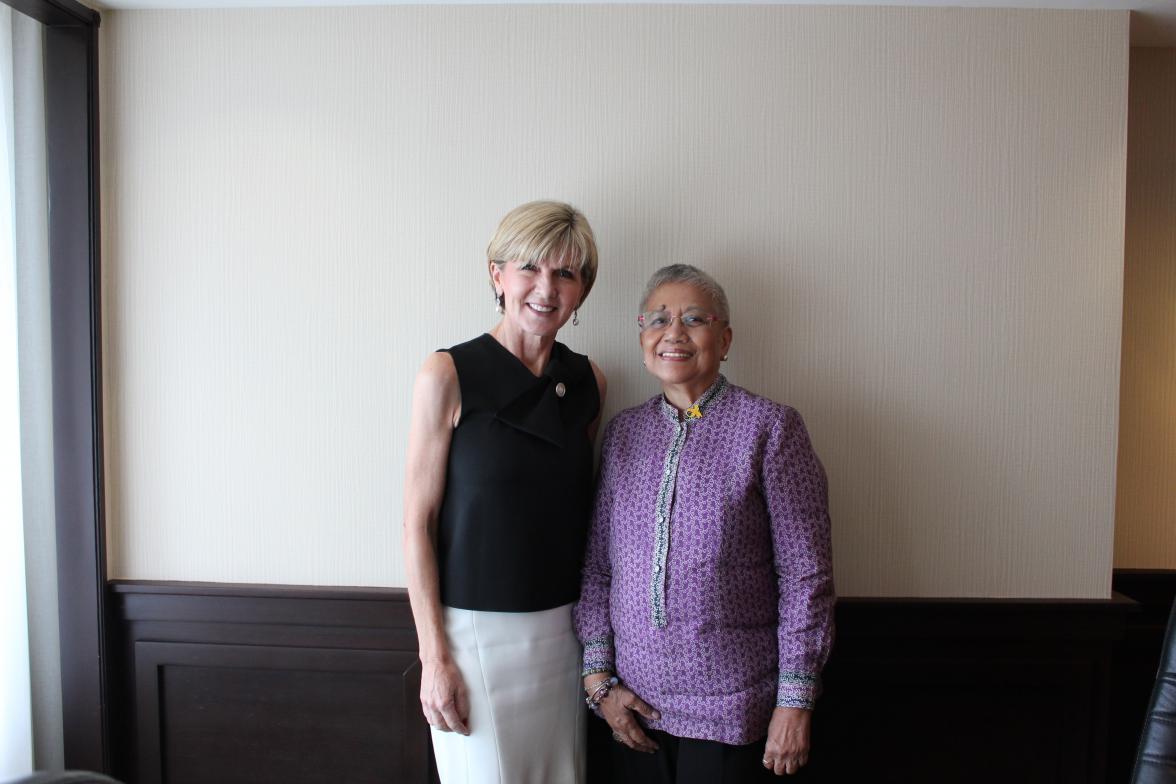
[{"x": 541, "y": 230}]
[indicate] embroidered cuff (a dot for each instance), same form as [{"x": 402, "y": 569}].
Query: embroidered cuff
[
  {"x": 598, "y": 655},
  {"x": 797, "y": 690}
]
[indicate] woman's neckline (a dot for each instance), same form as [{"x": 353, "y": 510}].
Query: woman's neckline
[
  {"x": 523, "y": 365},
  {"x": 697, "y": 410}
]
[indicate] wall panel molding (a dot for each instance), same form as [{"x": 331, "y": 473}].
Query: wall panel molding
[
  {"x": 211, "y": 712},
  {"x": 245, "y": 684},
  {"x": 228, "y": 683}
]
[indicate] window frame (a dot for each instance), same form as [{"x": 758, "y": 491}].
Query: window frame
[{"x": 70, "y": 54}]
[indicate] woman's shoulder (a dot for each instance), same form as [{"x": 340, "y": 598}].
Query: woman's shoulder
[
  {"x": 633, "y": 417},
  {"x": 752, "y": 405},
  {"x": 566, "y": 351},
  {"x": 478, "y": 345},
  {"x": 578, "y": 363},
  {"x": 436, "y": 386},
  {"x": 438, "y": 369},
  {"x": 642, "y": 410}
]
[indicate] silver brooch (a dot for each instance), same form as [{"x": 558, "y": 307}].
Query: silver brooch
[{"x": 560, "y": 389}]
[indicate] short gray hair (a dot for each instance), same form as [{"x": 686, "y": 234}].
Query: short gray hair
[{"x": 691, "y": 275}]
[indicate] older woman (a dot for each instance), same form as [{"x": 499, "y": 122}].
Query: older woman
[
  {"x": 706, "y": 606},
  {"x": 497, "y": 501}
]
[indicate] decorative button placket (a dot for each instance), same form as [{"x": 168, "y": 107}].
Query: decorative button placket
[{"x": 665, "y": 496}]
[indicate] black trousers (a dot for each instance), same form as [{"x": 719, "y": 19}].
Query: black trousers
[{"x": 690, "y": 761}]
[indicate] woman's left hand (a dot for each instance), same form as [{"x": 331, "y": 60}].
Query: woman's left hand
[{"x": 787, "y": 748}]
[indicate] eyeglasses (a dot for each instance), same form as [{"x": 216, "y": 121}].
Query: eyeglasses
[{"x": 657, "y": 320}]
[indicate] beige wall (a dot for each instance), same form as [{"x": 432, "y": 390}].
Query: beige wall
[
  {"x": 918, "y": 214},
  {"x": 1145, "y": 522}
]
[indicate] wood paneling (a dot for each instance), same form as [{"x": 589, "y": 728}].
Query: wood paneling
[
  {"x": 251, "y": 684},
  {"x": 968, "y": 691},
  {"x": 257, "y": 684},
  {"x": 240, "y": 714}
]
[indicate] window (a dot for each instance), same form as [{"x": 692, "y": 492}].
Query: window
[{"x": 70, "y": 55}]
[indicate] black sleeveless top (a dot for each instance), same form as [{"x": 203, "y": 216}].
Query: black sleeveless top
[{"x": 518, "y": 492}]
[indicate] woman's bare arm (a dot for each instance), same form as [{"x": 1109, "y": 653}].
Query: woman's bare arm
[{"x": 436, "y": 405}]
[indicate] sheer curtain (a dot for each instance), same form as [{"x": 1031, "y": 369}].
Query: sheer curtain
[
  {"x": 16, "y": 751},
  {"x": 30, "y": 679}
]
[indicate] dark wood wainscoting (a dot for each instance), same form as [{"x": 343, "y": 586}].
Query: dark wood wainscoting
[
  {"x": 235, "y": 684},
  {"x": 960, "y": 692},
  {"x": 228, "y": 684}
]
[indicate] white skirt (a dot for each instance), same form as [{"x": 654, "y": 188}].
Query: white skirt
[{"x": 527, "y": 715}]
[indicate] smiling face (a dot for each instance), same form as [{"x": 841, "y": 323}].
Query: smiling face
[
  {"x": 686, "y": 357},
  {"x": 538, "y": 297}
]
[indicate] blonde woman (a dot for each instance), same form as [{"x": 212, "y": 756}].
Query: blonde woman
[{"x": 498, "y": 495}]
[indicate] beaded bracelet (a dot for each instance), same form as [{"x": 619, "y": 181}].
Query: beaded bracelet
[{"x": 600, "y": 691}]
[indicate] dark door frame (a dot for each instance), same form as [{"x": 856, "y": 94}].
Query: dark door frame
[{"x": 75, "y": 299}]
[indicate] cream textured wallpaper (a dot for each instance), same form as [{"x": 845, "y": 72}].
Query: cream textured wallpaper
[
  {"x": 918, "y": 214},
  {"x": 1145, "y": 523}
]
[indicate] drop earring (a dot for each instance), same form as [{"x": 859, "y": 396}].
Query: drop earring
[
  {"x": 575, "y": 318},
  {"x": 499, "y": 302}
]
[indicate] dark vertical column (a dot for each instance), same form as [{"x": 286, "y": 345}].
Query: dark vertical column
[{"x": 71, "y": 119}]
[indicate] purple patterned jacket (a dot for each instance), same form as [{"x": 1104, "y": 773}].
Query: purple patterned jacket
[{"x": 708, "y": 585}]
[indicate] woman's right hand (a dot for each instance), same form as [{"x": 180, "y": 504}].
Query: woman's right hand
[
  {"x": 444, "y": 699},
  {"x": 618, "y": 708}
]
